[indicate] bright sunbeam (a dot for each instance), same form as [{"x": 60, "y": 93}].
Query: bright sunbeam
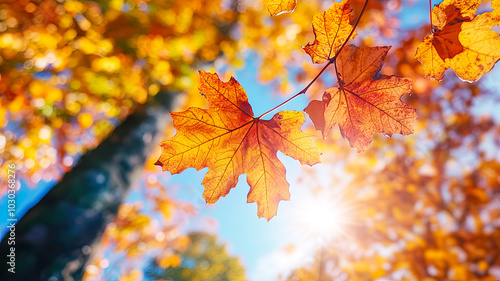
[{"x": 325, "y": 216}]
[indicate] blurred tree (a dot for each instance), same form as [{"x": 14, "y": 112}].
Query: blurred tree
[
  {"x": 70, "y": 71},
  {"x": 76, "y": 210},
  {"x": 204, "y": 259}
]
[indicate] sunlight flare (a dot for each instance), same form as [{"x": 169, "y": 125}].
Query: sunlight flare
[{"x": 326, "y": 216}]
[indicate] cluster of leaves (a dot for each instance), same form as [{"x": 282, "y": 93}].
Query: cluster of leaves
[
  {"x": 423, "y": 208},
  {"x": 230, "y": 141},
  {"x": 71, "y": 70},
  {"x": 460, "y": 40},
  {"x": 431, "y": 208}
]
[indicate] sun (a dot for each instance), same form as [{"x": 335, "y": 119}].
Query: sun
[{"x": 325, "y": 215}]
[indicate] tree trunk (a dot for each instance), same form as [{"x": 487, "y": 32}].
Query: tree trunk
[{"x": 49, "y": 239}]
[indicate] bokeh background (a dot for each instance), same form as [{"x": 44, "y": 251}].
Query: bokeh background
[{"x": 85, "y": 93}]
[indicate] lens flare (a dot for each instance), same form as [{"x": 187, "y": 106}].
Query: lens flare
[{"x": 325, "y": 215}]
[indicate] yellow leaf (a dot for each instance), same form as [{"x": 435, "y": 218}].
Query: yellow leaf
[
  {"x": 131, "y": 276},
  {"x": 461, "y": 41},
  {"x": 85, "y": 120},
  {"x": 483, "y": 265},
  {"x": 379, "y": 272},
  {"x": 169, "y": 261},
  {"x": 17, "y": 104},
  {"x": 331, "y": 29},
  {"x": 460, "y": 273},
  {"x": 278, "y": 7},
  {"x": 2, "y": 116}
]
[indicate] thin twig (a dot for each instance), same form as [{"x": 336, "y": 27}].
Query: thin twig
[
  {"x": 299, "y": 93},
  {"x": 352, "y": 31},
  {"x": 430, "y": 16},
  {"x": 332, "y": 60}
]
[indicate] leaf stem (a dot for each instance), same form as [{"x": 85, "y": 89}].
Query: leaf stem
[
  {"x": 299, "y": 93},
  {"x": 332, "y": 60},
  {"x": 352, "y": 31},
  {"x": 430, "y": 16},
  {"x": 337, "y": 74}
]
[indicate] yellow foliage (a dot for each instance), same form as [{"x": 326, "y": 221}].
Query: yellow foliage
[
  {"x": 460, "y": 273},
  {"x": 182, "y": 242},
  {"x": 2, "y": 116},
  {"x": 106, "y": 64},
  {"x": 462, "y": 41},
  {"x": 74, "y": 6},
  {"x": 169, "y": 261},
  {"x": 379, "y": 272},
  {"x": 133, "y": 275},
  {"x": 166, "y": 208},
  {"x": 17, "y": 104},
  {"x": 278, "y": 7},
  {"x": 483, "y": 265},
  {"x": 85, "y": 120}
]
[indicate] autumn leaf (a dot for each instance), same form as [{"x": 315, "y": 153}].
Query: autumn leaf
[
  {"x": 460, "y": 41},
  {"x": 278, "y": 7},
  {"x": 169, "y": 261},
  {"x": 363, "y": 106},
  {"x": 228, "y": 140},
  {"x": 332, "y": 29}
]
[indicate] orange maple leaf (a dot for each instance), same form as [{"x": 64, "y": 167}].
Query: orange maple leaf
[
  {"x": 460, "y": 41},
  {"x": 331, "y": 29},
  {"x": 228, "y": 140},
  {"x": 278, "y": 7},
  {"x": 363, "y": 106}
]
